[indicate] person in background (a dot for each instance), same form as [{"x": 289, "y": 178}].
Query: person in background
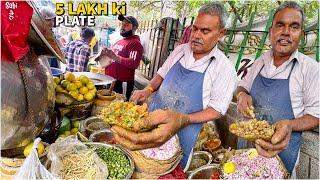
[
  {"x": 125, "y": 55},
  {"x": 49, "y": 16},
  {"x": 78, "y": 52},
  {"x": 283, "y": 88}
]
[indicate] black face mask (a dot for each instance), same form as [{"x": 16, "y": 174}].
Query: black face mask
[{"x": 126, "y": 33}]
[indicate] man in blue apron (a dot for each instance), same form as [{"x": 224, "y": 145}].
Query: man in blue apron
[
  {"x": 194, "y": 85},
  {"x": 283, "y": 87}
]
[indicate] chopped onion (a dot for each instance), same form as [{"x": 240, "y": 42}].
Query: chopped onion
[
  {"x": 164, "y": 152},
  {"x": 255, "y": 168}
]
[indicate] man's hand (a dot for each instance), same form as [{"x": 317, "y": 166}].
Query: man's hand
[
  {"x": 279, "y": 140},
  {"x": 244, "y": 105},
  {"x": 168, "y": 124},
  {"x": 140, "y": 96},
  {"x": 109, "y": 53}
]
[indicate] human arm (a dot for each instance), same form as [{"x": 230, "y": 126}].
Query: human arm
[
  {"x": 281, "y": 137},
  {"x": 140, "y": 96},
  {"x": 135, "y": 51}
]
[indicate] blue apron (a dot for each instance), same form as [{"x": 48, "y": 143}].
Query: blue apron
[
  {"x": 271, "y": 98},
  {"x": 181, "y": 90}
]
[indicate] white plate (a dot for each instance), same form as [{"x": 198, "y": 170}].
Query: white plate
[{"x": 98, "y": 79}]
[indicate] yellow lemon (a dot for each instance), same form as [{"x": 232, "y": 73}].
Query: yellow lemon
[
  {"x": 67, "y": 133},
  {"x": 92, "y": 92},
  {"x": 24, "y": 142},
  {"x": 78, "y": 84},
  {"x": 69, "y": 76},
  {"x": 84, "y": 80},
  {"x": 59, "y": 88},
  {"x": 72, "y": 87},
  {"x": 74, "y": 94},
  {"x": 61, "y": 136},
  {"x": 74, "y": 130},
  {"x": 40, "y": 148},
  {"x": 80, "y": 97},
  {"x": 56, "y": 80},
  {"x": 27, "y": 150},
  {"x": 76, "y": 124},
  {"x": 88, "y": 96},
  {"x": 229, "y": 167},
  {"x": 83, "y": 90},
  {"x": 65, "y": 83},
  {"x": 90, "y": 85},
  {"x": 252, "y": 153}
]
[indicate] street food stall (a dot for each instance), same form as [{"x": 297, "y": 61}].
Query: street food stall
[{"x": 72, "y": 115}]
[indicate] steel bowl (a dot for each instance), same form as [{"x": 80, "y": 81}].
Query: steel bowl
[
  {"x": 120, "y": 148},
  {"x": 199, "y": 155},
  {"x": 102, "y": 136},
  {"x": 93, "y": 124},
  {"x": 204, "y": 172}
]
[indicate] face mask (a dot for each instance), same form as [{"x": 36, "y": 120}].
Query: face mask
[{"x": 126, "y": 33}]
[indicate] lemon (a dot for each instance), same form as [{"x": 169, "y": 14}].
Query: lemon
[
  {"x": 252, "y": 153},
  {"x": 72, "y": 87},
  {"x": 40, "y": 148},
  {"x": 94, "y": 90},
  {"x": 65, "y": 83},
  {"x": 69, "y": 76},
  {"x": 90, "y": 85},
  {"x": 62, "y": 136},
  {"x": 27, "y": 150},
  {"x": 74, "y": 94},
  {"x": 83, "y": 79},
  {"x": 76, "y": 124},
  {"x": 59, "y": 88},
  {"x": 24, "y": 142},
  {"x": 74, "y": 130},
  {"x": 80, "y": 97},
  {"x": 67, "y": 133},
  {"x": 229, "y": 167},
  {"x": 78, "y": 84},
  {"x": 56, "y": 80},
  {"x": 88, "y": 96},
  {"x": 83, "y": 90}
]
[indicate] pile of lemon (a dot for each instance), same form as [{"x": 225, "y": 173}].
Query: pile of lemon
[
  {"x": 80, "y": 88},
  {"x": 28, "y": 147}
]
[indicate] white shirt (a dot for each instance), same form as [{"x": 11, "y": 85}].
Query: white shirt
[
  {"x": 303, "y": 83},
  {"x": 220, "y": 79}
]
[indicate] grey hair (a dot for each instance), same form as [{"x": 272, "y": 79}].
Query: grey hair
[
  {"x": 293, "y": 5},
  {"x": 215, "y": 9}
]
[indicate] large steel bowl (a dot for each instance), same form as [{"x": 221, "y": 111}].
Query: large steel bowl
[
  {"x": 204, "y": 172},
  {"x": 123, "y": 150}
]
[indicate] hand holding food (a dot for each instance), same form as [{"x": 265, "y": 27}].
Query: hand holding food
[
  {"x": 252, "y": 130},
  {"x": 244, "y": 105},
  {"x": 168, "y": 123},
  {"x": 127, "y": 115},
  {"x": 140, "y": 96},
  {"x": 279, "y": 140}
]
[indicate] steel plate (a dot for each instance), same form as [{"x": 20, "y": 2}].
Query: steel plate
[{"x": 98, "y": 79}]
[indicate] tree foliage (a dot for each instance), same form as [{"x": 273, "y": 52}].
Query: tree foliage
[{"x": 240, "y": 8}]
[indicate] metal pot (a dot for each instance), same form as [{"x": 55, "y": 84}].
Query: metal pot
[{"x": 27, "y": 87}]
